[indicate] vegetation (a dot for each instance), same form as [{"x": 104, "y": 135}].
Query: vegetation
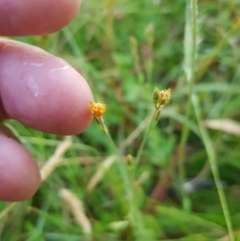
[{"x": 175, "y": 180}]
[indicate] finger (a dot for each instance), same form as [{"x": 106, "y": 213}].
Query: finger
[
  {"x": 42, "y": 91},
  {"x": 19, "y": 174},
  {"x": 35, "y": 17}
]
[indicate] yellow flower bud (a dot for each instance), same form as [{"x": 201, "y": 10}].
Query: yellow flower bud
[
  {"x": 160, "y": 98},
  {"x": 165, "y": 96},
  {"x": 97, "y": 109}
]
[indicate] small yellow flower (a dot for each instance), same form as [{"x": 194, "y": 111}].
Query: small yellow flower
[
  {"x": 161, "y": 98},
  {"x": 165, "y": 96},
  {"x": 97, "y": 109}
]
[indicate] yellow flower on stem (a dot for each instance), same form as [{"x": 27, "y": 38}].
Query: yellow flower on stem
[
  {"x": 98, "y": 110},
  {"x": 160, "y": 98},
  {"x": 165, "y": 96}
]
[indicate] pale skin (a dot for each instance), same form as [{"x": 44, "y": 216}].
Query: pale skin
[{"x": 36, "y": 89}]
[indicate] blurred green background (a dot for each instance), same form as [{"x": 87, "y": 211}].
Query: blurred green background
[{"x": 124, "y": 49}]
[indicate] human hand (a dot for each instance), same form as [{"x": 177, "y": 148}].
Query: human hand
[{"x": 36, "y": 88}]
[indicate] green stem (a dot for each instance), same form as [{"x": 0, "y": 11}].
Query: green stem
[
  {"x": 135, "y": 215},
  {"x": 7, "y": 209},
  {"x": 152, "y": 124},
  {"x": 214, "y": 167},
  {"x": 182, "y": 172},
  {"x": 190, "y": 47},
  {"x": 190, "y": 54},
  {"x": 121, "y": 166}
]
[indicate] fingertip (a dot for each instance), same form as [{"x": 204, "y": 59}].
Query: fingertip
[
  {"x": 43, "y": 92},
  {"x": 38, "y": 17},
  {"x": 19, "y": 174}
]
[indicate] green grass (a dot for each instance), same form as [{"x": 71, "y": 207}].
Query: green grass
[{"x": 124, "y": 49}]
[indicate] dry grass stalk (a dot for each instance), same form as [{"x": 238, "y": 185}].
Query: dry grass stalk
[
  {"x": 96, "y": 178},
  {"x": 7, "y": 209},
  {"x": 77, "y": 209},
  {"x": 225, "y": 125},
  {"x": 129, "y": 140},
  {"x": 142, "y": 178},
  {"x": 225, "y": 238},
  {"x": 140, "y": 128},
  {"x": 56, "y": 158}
]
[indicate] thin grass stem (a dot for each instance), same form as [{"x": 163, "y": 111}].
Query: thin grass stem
[
  {"x": 7, "y": 209},
  {"x": 122, "y": 167},
  {"x": 152, "y": 124},
  {"x": 190, "y": 54},
  {"x": 214, "y": 167},
  {"x": 129, "y": 184}
]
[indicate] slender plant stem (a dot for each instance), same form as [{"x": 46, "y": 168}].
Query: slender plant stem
[
  {"x": 135, "y": 216},
  {"x": 7, "y": 209},
  {"x": 152, "y": 124},
  {"x": 214, "y": 167},
  {"x": 121, "y": 166},
  {"x": 190, "y": 54},
  {"x": 181, "y": 153}
]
